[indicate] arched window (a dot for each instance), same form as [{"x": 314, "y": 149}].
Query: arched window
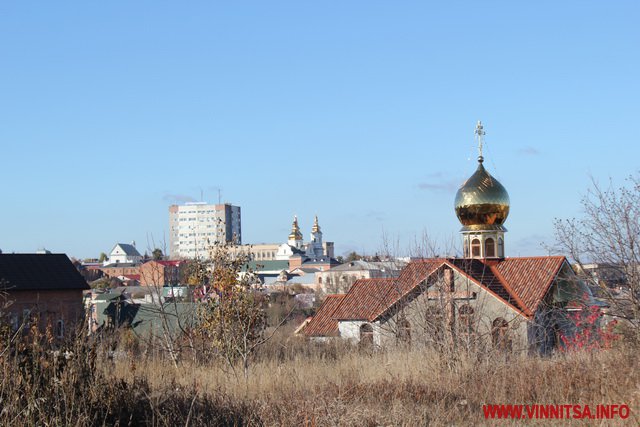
[
  {"x": 500, "y": 334},
  {"x": 434, "y": 324},
  {"x": 404, "y": 332},
  {"x": 320, "y": 280},
  {"x": 489, "y": 248},
  {"x": 366, "y": 335},
  {"x": 465, "y": 314},
  {"x": 475, "y": 248},
  {"x": 60, "y": 328},
  {"x": 500, "y": 247}
]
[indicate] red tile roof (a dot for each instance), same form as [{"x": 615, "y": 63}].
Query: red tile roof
[
  {"x": 323, "y": 324},
  {"x": 520, "y": 283},
  {"x": 530, "y": 277},
  {"x": 365, "y": 299},
  {"x": 411, "y": 276},
  {"x": 483, "y": 273},
  {"x": 173, "y": 263}
]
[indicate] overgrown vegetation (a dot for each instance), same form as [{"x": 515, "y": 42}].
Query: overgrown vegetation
[{"x": 105, "y": 380}]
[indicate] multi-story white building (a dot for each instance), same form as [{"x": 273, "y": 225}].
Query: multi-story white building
[{"x": 195, "y": 227}]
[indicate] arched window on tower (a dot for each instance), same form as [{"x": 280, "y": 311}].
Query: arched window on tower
[
  {"x": 489, "y": 248},
  {"x": 500, "y": 247},
  {"x": 475, "y": 248},
  {"x": 466, "y": 247}
]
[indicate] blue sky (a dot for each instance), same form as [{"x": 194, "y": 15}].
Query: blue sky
[{"x": 362, "y": 112}]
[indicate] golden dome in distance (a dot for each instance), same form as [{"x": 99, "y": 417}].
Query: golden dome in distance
[
  {"x": 295, "y": 230},
  {"x": 316, "y": 226},
  {"x": 482, "y": 203}
]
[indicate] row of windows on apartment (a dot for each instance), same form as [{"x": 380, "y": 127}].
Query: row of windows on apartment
[
  {"x": 263, "y": 255},
  {"x": 200, "y": 234},
  {"x": 198, "y": 211},
  {"x": 200, "y": 219},
  {"x": 202, "y": 244},
  {"x": 198, "y": 227},
  {"x": 198, "y": 249}
]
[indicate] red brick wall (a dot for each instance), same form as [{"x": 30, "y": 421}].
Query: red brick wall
[
  {"x": 120, "y": 271},
  {"x": 47, "y": 307},
  {"x": 152, "y": 273}
]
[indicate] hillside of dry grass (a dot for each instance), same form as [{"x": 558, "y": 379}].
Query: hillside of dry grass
[{"x": 292, "y": 382}]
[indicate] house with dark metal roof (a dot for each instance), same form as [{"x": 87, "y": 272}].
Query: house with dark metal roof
[
  {"x": 43, "y": 290},
  {"x": 481, "y": 299}
]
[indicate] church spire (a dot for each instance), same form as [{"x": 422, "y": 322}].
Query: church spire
[{"x": 316, "y": 226}]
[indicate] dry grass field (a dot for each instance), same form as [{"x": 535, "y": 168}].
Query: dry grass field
[{"x": 292, "y": 382}]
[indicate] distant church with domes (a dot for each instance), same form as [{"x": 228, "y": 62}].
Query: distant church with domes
[
  {"x": 295, "y": 245},
  {"x": 482, "y": 300}
]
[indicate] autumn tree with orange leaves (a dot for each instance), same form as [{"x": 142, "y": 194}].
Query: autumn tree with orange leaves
[{"x": 232, "y": 315}]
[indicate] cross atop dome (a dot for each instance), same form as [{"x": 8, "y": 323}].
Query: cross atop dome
[{"x": 480, "y": 136}]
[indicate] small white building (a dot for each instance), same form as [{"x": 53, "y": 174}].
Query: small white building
[{"x": 123, "y": 253}]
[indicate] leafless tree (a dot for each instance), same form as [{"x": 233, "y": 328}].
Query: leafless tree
[{"x": 605, "y": 245}]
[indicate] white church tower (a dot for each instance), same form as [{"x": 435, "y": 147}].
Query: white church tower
[{"x": 315, "y": 246}]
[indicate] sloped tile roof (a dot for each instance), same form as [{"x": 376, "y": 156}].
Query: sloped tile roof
[
  {"x": 530, "y": 277},
  {"x": 323, "y": 324},
  {"x": 168, "y": 262},
  {"x": 483, "y": 273},
  {"x": 410, "y": 277},
  {"x": 365, "y": 299},
  {"x": 521, "y": 283}
]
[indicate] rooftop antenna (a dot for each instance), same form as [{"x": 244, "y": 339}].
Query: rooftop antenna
[
  {"x": 201, "y": 195},
  {"x": 480, "y": 136},
  {"x": 219, "y": 196}
]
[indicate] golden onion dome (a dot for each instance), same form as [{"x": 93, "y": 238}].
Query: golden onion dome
[
  {"x": 295, "y": 230},
  {"x": 482, "y": 202}
]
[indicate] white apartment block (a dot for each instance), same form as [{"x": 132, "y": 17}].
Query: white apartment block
[{"x": 195, "y": 227}]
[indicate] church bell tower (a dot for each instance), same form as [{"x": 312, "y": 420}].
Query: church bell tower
[{"x": 482, "y": 206}]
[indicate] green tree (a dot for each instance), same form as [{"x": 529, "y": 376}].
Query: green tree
[
  {"x": 103, "y": 257},
  {"x": 157, "y": 254},
  {"x": 353, "y": 256}
]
